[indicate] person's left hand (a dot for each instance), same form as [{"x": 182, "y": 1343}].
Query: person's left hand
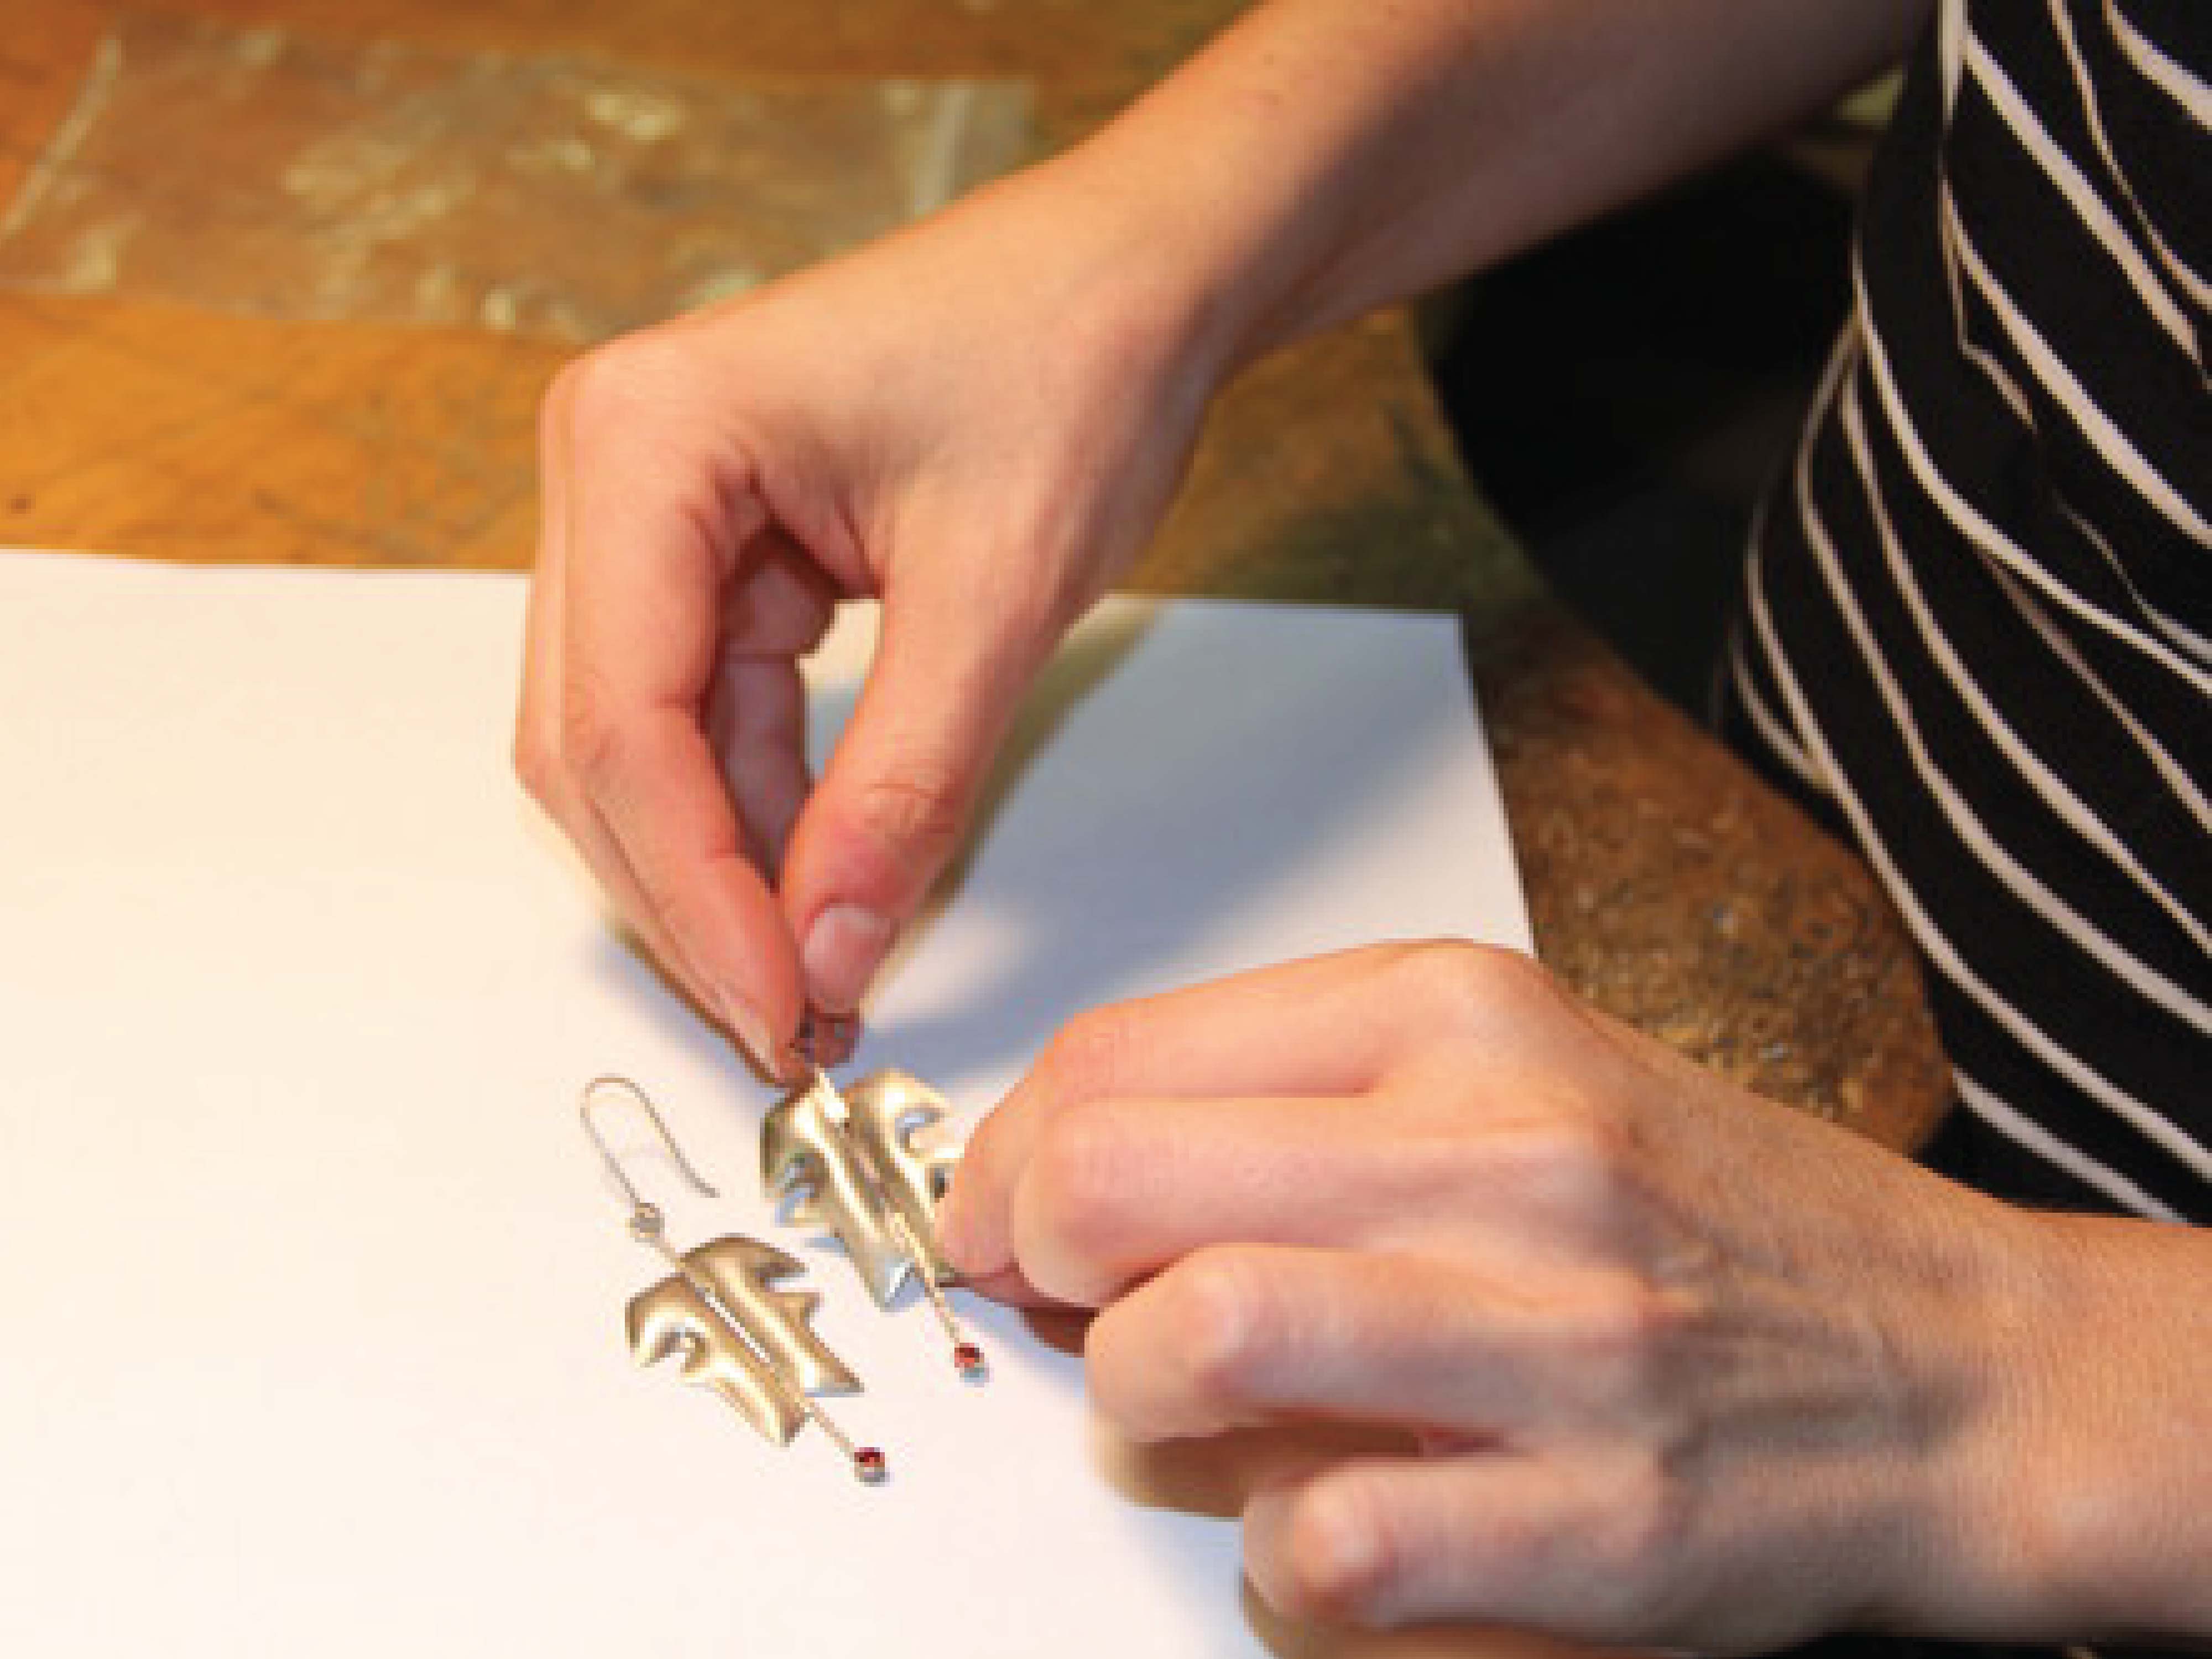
[{"x": 1682, "y": 1367}]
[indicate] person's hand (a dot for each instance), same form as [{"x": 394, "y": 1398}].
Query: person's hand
[
  {"x": 1681, "y": 1367},
  {"x": 978, "y": 421}
]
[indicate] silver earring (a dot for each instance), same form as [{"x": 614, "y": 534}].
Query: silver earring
[
  {"x": 848, "y": 1163},
  {"x": 720, "y": 1310}
]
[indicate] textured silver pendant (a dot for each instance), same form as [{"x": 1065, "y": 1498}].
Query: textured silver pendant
[{"x": 848, "y": 1161}]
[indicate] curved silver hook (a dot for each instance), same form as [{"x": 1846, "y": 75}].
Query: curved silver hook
[{"x": 643, "y": 1215}]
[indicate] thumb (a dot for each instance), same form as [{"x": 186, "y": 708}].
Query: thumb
[{"x": 894, "y": 804}]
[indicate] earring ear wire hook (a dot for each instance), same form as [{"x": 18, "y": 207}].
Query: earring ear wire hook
[{"x": 644, "y": 1217}]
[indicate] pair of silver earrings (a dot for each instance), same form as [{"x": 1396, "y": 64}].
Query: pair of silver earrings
[{"x": 847, "y": 1162}]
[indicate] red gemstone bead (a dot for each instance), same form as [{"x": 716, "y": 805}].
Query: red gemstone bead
[
  {"x": 868, "y": 1464},
  {"x": 970, "y": 1359}
]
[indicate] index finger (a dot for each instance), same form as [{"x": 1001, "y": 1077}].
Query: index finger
[
  {"x": 661, "y": 512},
  {"x": 1328, "y": 1025}
]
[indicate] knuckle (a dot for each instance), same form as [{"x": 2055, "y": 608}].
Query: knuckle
[
  {"x": 1220, "y": 1324},
  {"x": 607, "y": 386},
  {"x": 1598, "y": 1166},
  {"x": 1616, "y": 1328},
  {"x": 1634, "y": 1539},
  {"x": 1464, "y": 984},
  {"x": 1584, "y": 1149},
  {"x": 1342, "y": 1557},
  {"x": 663, "y": 914},
  {"x": 1079, "y": 1183},
  {"x": 919, "y": 805},
  {"x": 1626, "y": 1337},
  {"x": 592, "y": 745},
  {"x": 1084, "y": 1059},
  {"x": 1650, "y": 1517},
  {"x": 1572, "y": 1156}
]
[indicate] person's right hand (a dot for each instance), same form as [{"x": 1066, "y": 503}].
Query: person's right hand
[{"x": 978, "y": 421}]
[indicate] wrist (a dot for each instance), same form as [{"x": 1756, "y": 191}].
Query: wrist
[
  {"x": 2120, "y": 1467},
  {"x": 1188, "y": 270},
  {"x": 2075, "y": 1502},
  {"x": 1249, "y": 177}
]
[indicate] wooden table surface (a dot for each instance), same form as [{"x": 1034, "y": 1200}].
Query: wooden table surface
[{"x": 282, "y": 280}]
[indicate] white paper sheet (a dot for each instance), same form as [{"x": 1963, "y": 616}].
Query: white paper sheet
[{"x": 313, "y": 1289}]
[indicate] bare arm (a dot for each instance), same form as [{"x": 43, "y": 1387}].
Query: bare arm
[{"x": 1326, "y": 156}]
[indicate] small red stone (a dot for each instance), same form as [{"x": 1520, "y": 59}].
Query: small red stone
[
  {"x": 868, "y": 1464},
  {"x": 970, "y": 1360}
]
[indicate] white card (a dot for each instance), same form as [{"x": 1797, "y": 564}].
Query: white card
[{"x": 313, "y": 1289}]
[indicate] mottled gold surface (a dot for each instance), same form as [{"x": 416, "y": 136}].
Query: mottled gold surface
[{"x": 1664, "y": 883}]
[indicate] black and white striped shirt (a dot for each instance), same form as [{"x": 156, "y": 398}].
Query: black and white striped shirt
[{"x": 1978, "y": 623}]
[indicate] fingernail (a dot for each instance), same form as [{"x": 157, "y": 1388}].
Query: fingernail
[
  {"x": 977, "y": 1250},
  {"x": 955, "y": 1233},
  {"x": 751, "y": 1030},
  {"x": 842, "y": 950}
]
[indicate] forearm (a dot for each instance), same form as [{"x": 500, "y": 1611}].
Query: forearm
[{"x": 1323, "y": 157}]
